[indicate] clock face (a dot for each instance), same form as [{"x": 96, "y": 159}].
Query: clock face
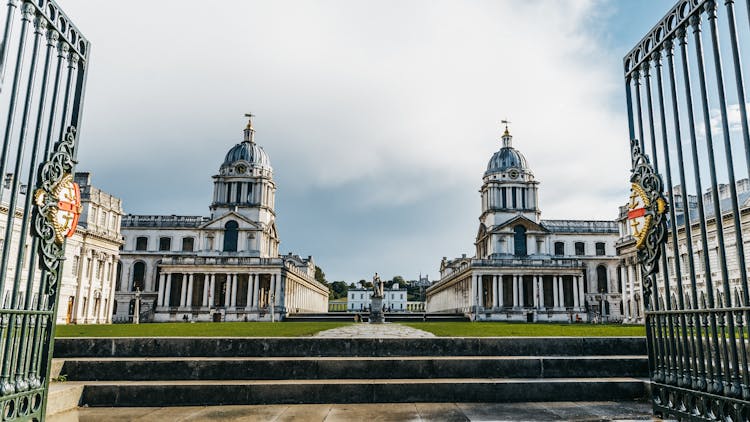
[
  {"x": 513, "y": 174},
  {"x": 240, "y": 169}
]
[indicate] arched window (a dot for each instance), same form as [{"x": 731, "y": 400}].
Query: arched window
[
  {"x": 139, "y": 273},
  {"x": 601, "y": 279},
  {"x": 519, "y": 238},
  {"x": 230, "y": 236},
  {"x": 559, "y": 248}
]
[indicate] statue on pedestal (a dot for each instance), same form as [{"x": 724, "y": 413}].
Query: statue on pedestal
[{"x": 376, "y": 308}]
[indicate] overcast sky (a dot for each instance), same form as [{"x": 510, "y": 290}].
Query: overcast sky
[{"x": 379, "y": 116}]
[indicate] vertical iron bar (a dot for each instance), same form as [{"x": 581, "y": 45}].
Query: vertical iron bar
[
  {"x": 669, "y": 47},
  {"x": 637, "y": 85},
  {"x": 718, "y": 218},
  {"x": 22, "y": 382},
  {"x": 11, "y": 345},
  {"x": 686, "y": 371},
  {"x": 739, "y": 248},
  {"x": 715, "y": 374},
  {"x": 12, "y": 4}
]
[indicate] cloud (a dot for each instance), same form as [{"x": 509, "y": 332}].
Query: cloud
[{"x": 393, "y": 105}]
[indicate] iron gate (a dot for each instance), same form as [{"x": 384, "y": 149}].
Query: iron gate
[
  {"x": 43, "y": 62},
  {"x": 688, "y": 121}
]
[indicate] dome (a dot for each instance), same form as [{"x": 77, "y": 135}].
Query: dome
[
  {"x": 506, "y": 159},
  {"x": 247, "y": 150}
]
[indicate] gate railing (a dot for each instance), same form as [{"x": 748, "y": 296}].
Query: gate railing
[
  {"x": 43, "y": 62},
  {"x": 688, "y": 118}
]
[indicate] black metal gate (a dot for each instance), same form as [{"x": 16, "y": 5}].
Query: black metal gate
[
  {"x": 688, "y": 121},
  {"x": 43, "y": 62}
]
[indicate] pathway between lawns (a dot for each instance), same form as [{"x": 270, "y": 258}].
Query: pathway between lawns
[{"x": 365, "y": 330}]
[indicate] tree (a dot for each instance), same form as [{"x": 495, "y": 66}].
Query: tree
[
  {"x": 320, "y": 276},
  {"x": 339, "y": 289}
]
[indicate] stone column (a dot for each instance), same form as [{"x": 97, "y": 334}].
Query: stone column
[
  {"x": 535, "y": 289},
  {"x": 561, "y": 291},
  {"x": 249, "y": 301},
  {"x": 581, "y": 296},
  {"x": 500, "y": 303},
  {"x": 256, "y": 290},
  {"x": 515, "y": 291},
  {"x": 233, "y": 303},
  {"x": 555, "y": 295},
  {"x": 162, "y": 286},
  {"x": 168, "y": 289},
  {"x": 227, "y": 290},
  {"x": 205, "y": 290},
  {"x": 212, "y": 291},
  {"x": 494, "y": 291},
  {"x": 521, "y": 303},
  {"x": 189, "y": 301},
  {"x": 575, "y": 293}
]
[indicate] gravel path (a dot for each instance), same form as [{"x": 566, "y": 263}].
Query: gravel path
[{"x": 365, "y": 330}]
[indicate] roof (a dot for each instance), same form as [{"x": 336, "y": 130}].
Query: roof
[{"x": 581, "y": 226}]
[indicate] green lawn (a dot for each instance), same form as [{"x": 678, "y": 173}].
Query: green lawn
[
  {"x": 515, "y": 329},
  {"x": 198, "y": 329}
]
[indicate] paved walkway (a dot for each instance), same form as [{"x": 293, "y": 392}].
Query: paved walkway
[
  {"x": 365, "y": 330},
  {"x": 554, "y": 411}
]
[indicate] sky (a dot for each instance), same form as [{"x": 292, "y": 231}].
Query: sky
[{"x": 379, "y": 116}]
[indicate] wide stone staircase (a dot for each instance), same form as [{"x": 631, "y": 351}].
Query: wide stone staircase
[{"x": 214, "y": 371}]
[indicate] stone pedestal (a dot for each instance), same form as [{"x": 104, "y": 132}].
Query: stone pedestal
[{"x": 376, "y": 311}]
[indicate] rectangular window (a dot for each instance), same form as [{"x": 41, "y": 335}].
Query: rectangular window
[
  {"x": 187, "y": 244},
  {"x": 513, "y": 192},
  {"x": 523, "y": 198},
  {"x": 505, "y": 198},
  {"x": 600, "y": 250},
  {"x": 141, "y": 243},
  {"x": 165, "y": 243},
  {"x": 559, "y": 248},
  {"x": 238, "y": 191},
  {"x": 580, "y": 249}
]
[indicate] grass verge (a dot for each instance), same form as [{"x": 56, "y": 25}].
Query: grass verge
[
  {"x": 198, "y": 329},
  {"x": 514, "y": 329}
]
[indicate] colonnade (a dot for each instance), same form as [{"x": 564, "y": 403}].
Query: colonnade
[
  {"x": 256, "y": 297},
  {"x": 631, "y": 285},
  {"x": 302, "y": 298},
  {"x": 538, "y": 294}
]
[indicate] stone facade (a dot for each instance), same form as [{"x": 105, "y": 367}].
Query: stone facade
[
  {"x": 91, "y": 254},
  {"x": 224, "y": 267},
  {"x": 394, "y": 299},
  {"x": 630, "y": 270},
  {"x": 525, "y": 268}
]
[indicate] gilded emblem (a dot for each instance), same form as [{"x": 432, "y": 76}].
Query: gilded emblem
[
  {"x": 641, "y": 212},
  {"x": 65, "y": 207}
]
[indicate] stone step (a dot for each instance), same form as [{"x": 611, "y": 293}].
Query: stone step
[
  {"x": 137, "y": 369},
  {"x": 206, "y": 393},
  {"x": 363, "y": 347},
  {"x": 63, "y": 396}
]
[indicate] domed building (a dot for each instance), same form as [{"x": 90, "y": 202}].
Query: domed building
[
  {"x": 526, "y": 268},
  {"x": 224, "y": 267}
]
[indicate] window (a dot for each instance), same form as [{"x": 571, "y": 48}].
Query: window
[
  {"x": 139, "y": 273},
  {"x": 187, "y": 244},
  {"x": 141, "y": 243},
  {"x": 513, "y": 190},
  {"x": 559, "y": 248},
  {"x": 519, "y": 238},
  {"x": 601, "y": 279},
  {"x": 165, "y": 243},
  {"x": 580, "y": 249},
  {"x": 600, "y": 251},
  {"x": 230, "y": 236}
]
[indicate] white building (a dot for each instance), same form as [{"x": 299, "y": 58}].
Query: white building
[
  {"x": 360, "y": 299},
  {"x": 88, "y": 278},
  {"x": 224, "y": 267},
  {"x": 525, "y": 268},
  {"x": 630, "y": 275}
]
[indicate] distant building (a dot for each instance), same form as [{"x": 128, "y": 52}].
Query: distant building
[
  {"x": 224, "y": 267},
  {"x": 526, "y": 268},
  {"x": 630, "y": 274},
  {"x": 394, "y": 299},
  {"x": 91, "y": 254}
]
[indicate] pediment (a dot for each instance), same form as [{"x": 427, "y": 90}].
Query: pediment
[
  {"x": 244, "y": 223},
  {"x": 529, "y": 225}
]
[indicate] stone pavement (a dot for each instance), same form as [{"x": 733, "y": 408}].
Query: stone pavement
[
  {"x": 366, "y": 330},
  {"x": 382, "y": 412}
]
